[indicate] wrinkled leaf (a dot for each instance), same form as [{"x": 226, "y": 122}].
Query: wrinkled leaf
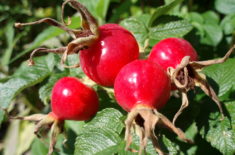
[
  {"x": 25, "y": 77},
  {"x": 220, "y": 134},
  {"x": 109, "y": 119},
  {"x": 171, "y": 29},
  {"x": 223, "y": 75},
  {"x": 101, "y": 134},
  {"x": 94, "y": 141}
]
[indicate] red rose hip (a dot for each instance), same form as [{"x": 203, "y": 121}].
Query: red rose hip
[
  {"x": 142, "y": 83},
  {"x": 142, "y": 87},
  {"x": 179, "y": 59},
  {"x": 71, "y": 100},
  {"x": 169, "y": 52},
  {"x": 114, "y": 48}
]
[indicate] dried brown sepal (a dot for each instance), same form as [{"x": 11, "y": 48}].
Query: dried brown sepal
[
  {"x": 144, "y": 120},
  {"x": 187, "y": 75},
  {"x": 82, "y": 38},
  {"x": 45, "y": 123}
]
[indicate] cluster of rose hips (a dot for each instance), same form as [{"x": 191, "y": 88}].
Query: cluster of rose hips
[{"x": 109, "y": 56}]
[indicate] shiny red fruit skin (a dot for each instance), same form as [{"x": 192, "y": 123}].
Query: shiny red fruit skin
[
  {"x": 142, "y": 82},
  {"x": 169, "y": 52},
  {"x": 72, "y": 100},
  {"x": 103, "y": 60}
]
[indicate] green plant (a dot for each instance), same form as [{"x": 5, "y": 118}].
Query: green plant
[{"x": 207, "y": 25}]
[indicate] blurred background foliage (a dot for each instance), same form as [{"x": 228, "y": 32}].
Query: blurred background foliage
[{"x": 209, "y": 25}]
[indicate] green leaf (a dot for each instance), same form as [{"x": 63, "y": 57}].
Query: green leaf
[
  {"x": 46, "y": 35},
  {"x": 211, "y": 17},
  {"x": 137, "y": 27},
  {"x": 220, "y": 134},
  {"x": 196, "y": 17},
  {"x": 25, "y": 77},
  {"x": 98, "y": 8},
  {"x": 1, "y": 116},
  {"x": 9, "y": 33},
  {"x": 75, "y": 126},
  {"x": 102, "y": 8},
  {"x": 25, "y": 137},
  {"x": 163, "y": 10},
  {"x": 38, "y": 148},
  {"x": 223, "y": 74},
  {"x": 119, "y": 11},
  {"x": 72, "y": 60},
  {"x": 45, "y": 90},
  {"x": 90, "y": 5},
  {"x": 101, "y": 135},
  {"x": 213, "y": 34},
  {"x": 225, "y": 6},
  {"x": 228, "y": 24},
  {"x": 208, "y": 27},
  {"x": 109, "y": 118},
  {"x": 171, "y": 29},
  {"x": 97, "y": 141}
]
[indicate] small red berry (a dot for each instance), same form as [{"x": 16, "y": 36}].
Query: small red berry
[
  {"x": 103, "y": 60},
  {"x": 179, "y": 58},
  {"x": 142, "y": 82},
  {"x": 142, "y": 87},
  {"x": 72, "y": 100},
  {"x": 169, "y": 52}
]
